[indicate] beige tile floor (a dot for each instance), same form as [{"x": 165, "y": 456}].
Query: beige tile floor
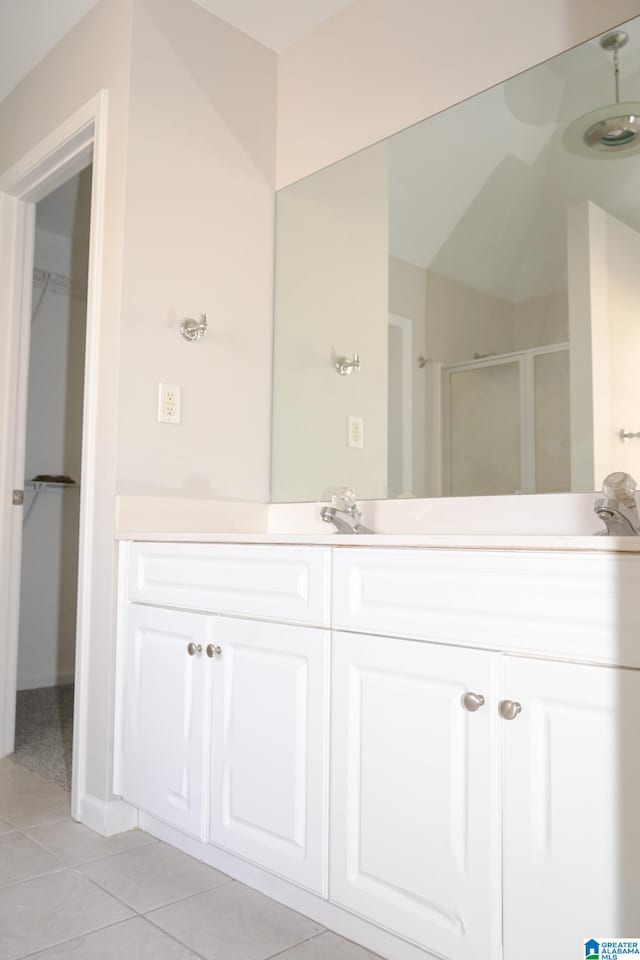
[{"x": 66, "y": 892}]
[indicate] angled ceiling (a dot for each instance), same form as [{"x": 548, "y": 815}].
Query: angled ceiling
[
  {"x": 480, "y": 192},
  {"x": 274, "y": 23},
  {"x": 29, "y": 29}
]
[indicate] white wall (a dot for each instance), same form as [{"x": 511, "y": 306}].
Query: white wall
[
  {"x": 363, "y": 75},
  {"x": 188, "y": 228},
  {"x": 46, "y": 653},
  {"x": 198, "y": 238},
  {"x": 332, "y": 300},
  {"x": 604, "y": 293},
  {"x": 408, "y": 298},
  {"x": 540, "y": 321},
  {"x": 623, "y": 302},
  {"x": 93, "y": 56},
  {"x": 379, "y": 66}
]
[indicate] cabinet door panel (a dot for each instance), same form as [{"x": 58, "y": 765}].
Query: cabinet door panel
[
  {"x": 163, "y": 754},
  {"x": 571, "y": 802},
  {"x": 269, "y": 747},
  {"x": 415, "y": 793}
]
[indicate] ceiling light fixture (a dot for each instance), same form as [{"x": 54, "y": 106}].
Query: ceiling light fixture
[{"x": 611, "y": 131}]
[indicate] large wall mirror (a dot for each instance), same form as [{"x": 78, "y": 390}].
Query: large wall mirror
[{"x": 458, "y": 307}]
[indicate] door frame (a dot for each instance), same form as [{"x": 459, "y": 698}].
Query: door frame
[
  {"x": 405, "y": 326},
  {"x": 78, "y": 141}
]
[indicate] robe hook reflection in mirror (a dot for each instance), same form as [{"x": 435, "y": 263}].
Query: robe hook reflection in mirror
[
  {"x": 613, "y": 130},
  {"x": 346, "y": 367},
  {"x": 626, "y": 435},
  {"x": 191, "y": 329}
]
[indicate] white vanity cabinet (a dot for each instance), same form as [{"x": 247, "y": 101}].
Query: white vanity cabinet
[
  {"x": 415, "y": 797},
  {"x": 164, "y": 715},
  {"x": 514, "y": 826},
  {"x": 269, "y": 747},
  {"x": 225, "y": 720},
  {"x": 478, "y": 795},
  {"x": 571, "y": 807}
]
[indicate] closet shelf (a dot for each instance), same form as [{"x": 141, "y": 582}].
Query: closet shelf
[
  {"x": 46, "y": 481},
  {"x": 51, "y": 480}
]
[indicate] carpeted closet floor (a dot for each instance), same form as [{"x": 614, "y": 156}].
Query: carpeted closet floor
[{"x": 44, "y": 732}]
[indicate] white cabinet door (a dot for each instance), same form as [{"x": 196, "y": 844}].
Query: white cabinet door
[
  {"x": 571, "y": 808},
  {"x": 269, "y": 747},
  {"x": 164, "y": 758},
  {"x": 415, "y": 826}
]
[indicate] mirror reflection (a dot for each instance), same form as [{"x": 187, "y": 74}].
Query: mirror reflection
[{"x": 458, "y": 307}]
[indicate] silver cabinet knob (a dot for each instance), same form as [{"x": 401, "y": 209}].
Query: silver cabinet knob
[
  {"x": 192, "y": 649},
  {"x": 472, "y": 701},
  {"x": 213, "y": 651},
  {"x": 509, "y": 709}
]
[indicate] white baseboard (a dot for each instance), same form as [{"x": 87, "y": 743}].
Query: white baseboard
[
  {"x": 106, "y": 817},
  {"x": 330, "y": 915}
]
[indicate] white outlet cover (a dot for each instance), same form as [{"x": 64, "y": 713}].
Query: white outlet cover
[
  {"x": 168, "y": 403},
  {"x": 356, "y": 432}
]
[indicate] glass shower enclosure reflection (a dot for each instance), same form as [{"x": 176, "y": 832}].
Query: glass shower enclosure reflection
[{"x": 505, "y": 424}]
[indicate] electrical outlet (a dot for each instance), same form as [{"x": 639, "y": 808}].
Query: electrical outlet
[
  {"x": 168, "y": 403},
  {"x": 356, "y": 432}
]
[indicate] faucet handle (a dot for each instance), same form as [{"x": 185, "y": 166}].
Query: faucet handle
[
  {"x": 343, "y": 498},
  {"x": 620, "y": 486}
]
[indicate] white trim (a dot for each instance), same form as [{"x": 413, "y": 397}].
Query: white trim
[
  {"x": 527, "y": 426},
  {"x": 17, "y": 227},
  {"x": 405, "y": 325},
  {"x": 527, "y": 423},
  {"x": 335, "y": 918},
  {"x": 118, "y": 743},
  {"x": 106, "y": 817},
  {"x": 86, "y": 584},
  {"x": 58, "y": 157},
  {"x": 69, "y": 148},
  {"x": 502, "y": 357},
  {"x": 436, "y": 453}
]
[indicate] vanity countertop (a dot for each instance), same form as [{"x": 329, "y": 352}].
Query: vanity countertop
[
  {"x": 457, "y": 542},
  {"x": 474, "y": 524}
]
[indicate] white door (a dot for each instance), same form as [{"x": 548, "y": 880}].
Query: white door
[
  {"x": 481, "y": 457},
  {"x": 269, "y": 747},
  {"x": 415, "y": 830},
  {"x": 571, "y": 808},
  {"x": 164, "y": 755}
]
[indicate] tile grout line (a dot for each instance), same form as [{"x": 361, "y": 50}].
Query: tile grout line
[
  {"x": 84, "y": 863},
  {"x": 172, "y": 936},
  {"x": 31, "y": 826},
  {"x": 87, "y": 933},
  {"x": 300, "y": 943},
  {"x": 270, "y": 956},
  {"x": 151, "y": 909},
  {"x": 35, "y": 876}
]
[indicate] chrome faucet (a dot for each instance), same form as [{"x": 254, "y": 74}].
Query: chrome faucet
[
  {"x": 343, "y": 513},
  {"x": 617, "y": 508}
]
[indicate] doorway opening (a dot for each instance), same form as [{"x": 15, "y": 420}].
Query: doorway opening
[
  {"x": 79, "y": 141},
  {"x": 53, "y": 457}
]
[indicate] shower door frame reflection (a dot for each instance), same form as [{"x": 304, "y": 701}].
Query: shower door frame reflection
[{"x": 525, "y": 361}]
